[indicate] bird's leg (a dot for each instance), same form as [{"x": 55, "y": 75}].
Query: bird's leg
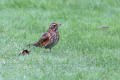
[{"x": 50, "y": 50}]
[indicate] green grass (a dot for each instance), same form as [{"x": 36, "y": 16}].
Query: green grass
[{"x": 84, "y": 52}]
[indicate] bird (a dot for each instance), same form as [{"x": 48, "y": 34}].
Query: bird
[{"x": 50, "y": 38}]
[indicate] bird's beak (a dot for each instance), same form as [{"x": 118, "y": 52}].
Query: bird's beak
[{"x": 59, "y": 24}]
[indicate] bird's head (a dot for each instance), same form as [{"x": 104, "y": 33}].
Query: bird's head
[{"x": 54, "y": 26}]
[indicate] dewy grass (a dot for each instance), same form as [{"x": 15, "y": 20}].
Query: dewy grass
[{"x": 84, "y": 52}]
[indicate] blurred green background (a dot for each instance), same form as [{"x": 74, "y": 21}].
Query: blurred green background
[{"x": 84, "y": 52}]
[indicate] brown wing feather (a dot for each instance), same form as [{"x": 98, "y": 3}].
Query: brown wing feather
[{"x": 43, "y": 40}]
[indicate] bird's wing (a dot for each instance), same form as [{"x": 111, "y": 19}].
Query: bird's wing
[{"x": 43, "y": 40}]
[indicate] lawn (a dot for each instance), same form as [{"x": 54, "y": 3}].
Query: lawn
[{"x": 84, "y": 52}]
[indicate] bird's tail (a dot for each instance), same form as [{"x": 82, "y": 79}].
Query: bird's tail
[
  {"x": 30, "y": 44},
  {"x": 37, "y": 44}
]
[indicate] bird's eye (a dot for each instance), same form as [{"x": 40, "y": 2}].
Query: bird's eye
[{"x": 54, "y": 25}]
